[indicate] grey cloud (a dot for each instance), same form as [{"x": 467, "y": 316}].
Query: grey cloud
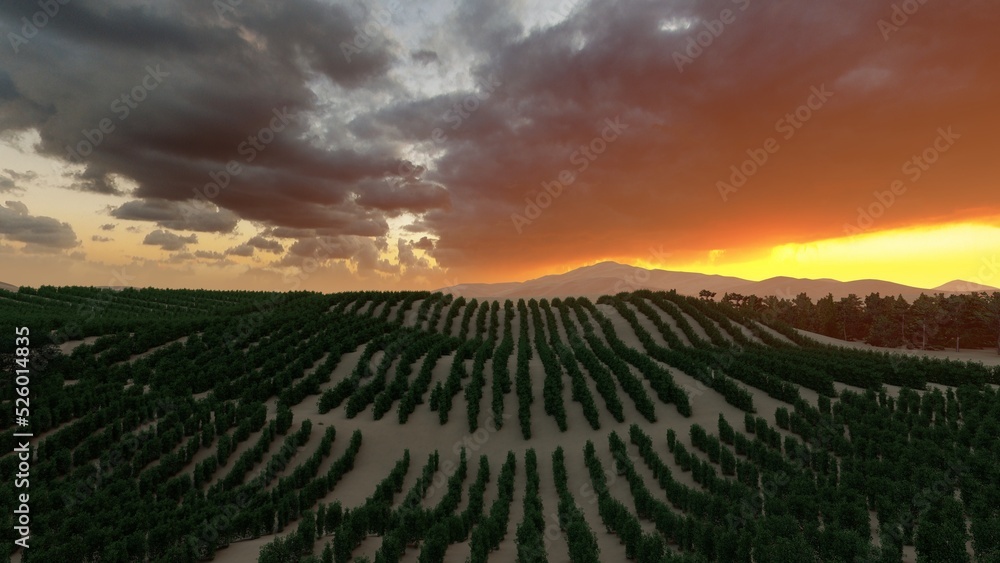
[
  {"x": 12, "y": 180},
  {"x": 424, "y": 244},
  {"x": 221, "y": 77},
  {"x": 407, "y": 258},
  {"x": 41, "y": 234},
  {"x": 409, "y": 195},
  {"x": 180, "y": 216},
  {"x": 267, "y": 245},
  {"x": 424, "y": 56},
  {"x": 241, "y": 250},
  {"x": 94, "y": 178},
  {"x": 169, "y": 241}
]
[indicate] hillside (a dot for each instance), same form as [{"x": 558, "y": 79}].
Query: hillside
[
  {"x": 959, "y": 286},
  {"x": 426, "y": 427},
  {"x": 8, "y": 287},
  {"x": 609, "y": 278}
]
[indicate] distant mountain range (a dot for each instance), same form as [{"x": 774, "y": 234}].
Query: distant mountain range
[
  {"x": 611, "y": 277},
  {"x": 8, "y": 287}
]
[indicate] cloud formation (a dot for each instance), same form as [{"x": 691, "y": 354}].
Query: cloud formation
[
  {"x": 606, "y": 127},
  {"x": 180, "y": 216},
  {"x": 169, "y": 241},
  {"x": 266, "y": 245},
  {"x": 11, "y": 181},
  {"x": 40, "y": 234}
]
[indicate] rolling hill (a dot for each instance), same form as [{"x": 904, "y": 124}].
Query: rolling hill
[
  {"x": 410, "y": 426},
  {"x": 608, "y": 278}
]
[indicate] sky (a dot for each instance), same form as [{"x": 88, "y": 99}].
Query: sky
[{"x": 311, "y": 144}]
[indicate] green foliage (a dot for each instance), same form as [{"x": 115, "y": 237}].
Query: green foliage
[{"x": 134, "y": 426}]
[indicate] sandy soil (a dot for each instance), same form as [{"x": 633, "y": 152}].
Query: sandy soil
[
  {"x": 647, "y": 324},
  {"x": 70, "y": 345},
  {"x": 384, "y": 441}
]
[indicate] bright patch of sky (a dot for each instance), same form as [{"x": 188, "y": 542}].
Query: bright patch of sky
[{"x": 674, "y": 25}]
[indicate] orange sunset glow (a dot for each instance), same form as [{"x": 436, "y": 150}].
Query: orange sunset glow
[{"x": 502, "y": 143}]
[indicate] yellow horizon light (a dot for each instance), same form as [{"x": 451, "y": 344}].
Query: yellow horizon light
[{"x": 924, "y": 257}]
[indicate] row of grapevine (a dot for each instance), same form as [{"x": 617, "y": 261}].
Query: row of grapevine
[
  {"x": 531, "y": 530},
  {"x": 522, "y": 379},
  {"x": 492, "y": 528}
]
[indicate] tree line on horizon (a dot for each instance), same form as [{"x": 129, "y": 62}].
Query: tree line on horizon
[{"x": 967, "y": 320}]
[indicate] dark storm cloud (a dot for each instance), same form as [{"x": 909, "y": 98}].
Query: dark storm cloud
[
  {"x": 7, "y": 89},
  {"x": 177, "y": 216},
  {"x": 656, "y": 182},
  {"x": 487, "y": 26},
  {"x": 41, "y": 234},
  {"x": 168, "y": 93},
  {"x": 95, "y": 178},
  {"x": 322, "y": 142},
  {"x": 407, "y": 195}
]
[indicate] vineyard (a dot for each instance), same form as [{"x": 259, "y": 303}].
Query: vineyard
[{"x": 180, "y": 426}]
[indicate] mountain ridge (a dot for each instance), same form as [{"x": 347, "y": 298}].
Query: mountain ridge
[{"x": 612, "y": 277}]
